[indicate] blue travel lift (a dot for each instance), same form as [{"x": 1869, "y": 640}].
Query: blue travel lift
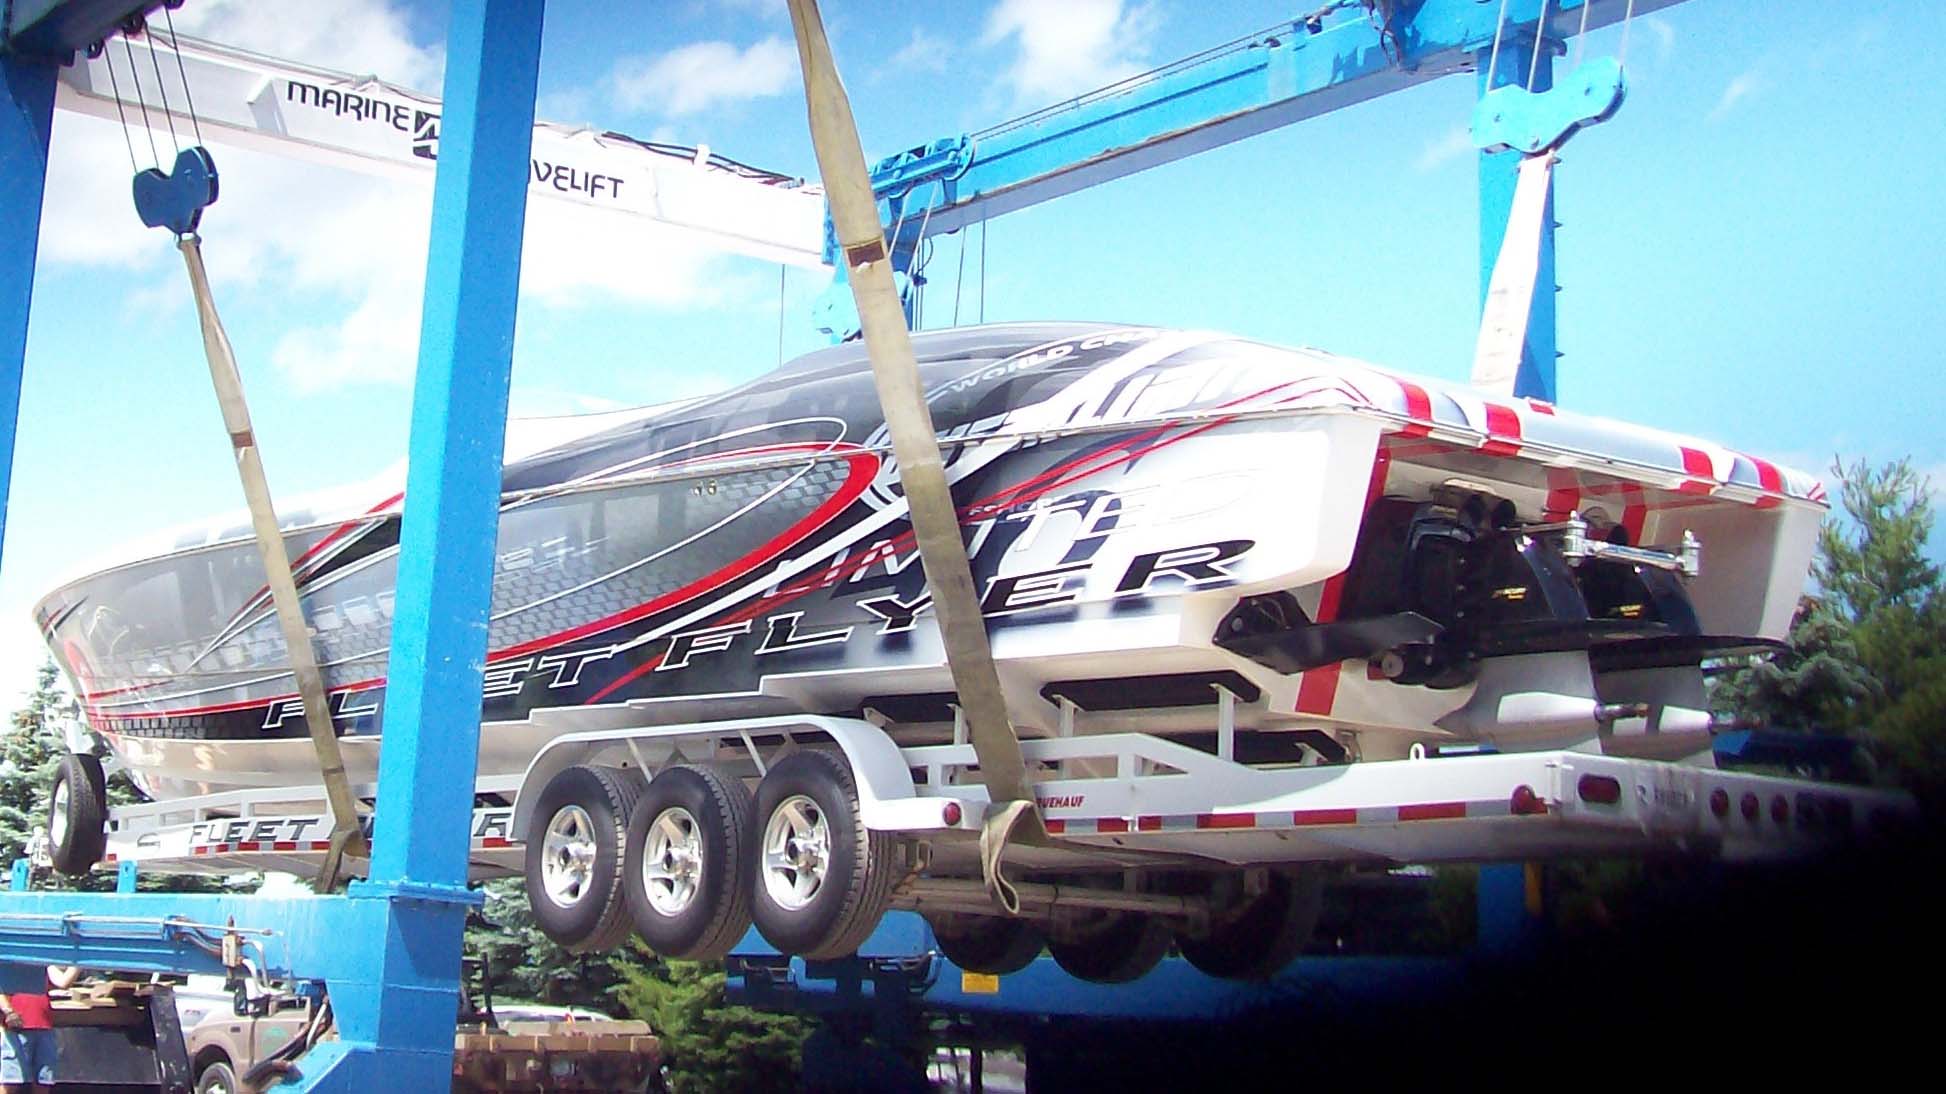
[{"x": 389, "y": 949}]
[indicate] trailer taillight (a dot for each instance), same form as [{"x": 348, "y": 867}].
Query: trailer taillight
[
  {"x": 1720, "y": 802},
  {"x": 950, "y": 813},
  {"x": 1526, "y": 803},
  {"x": 1780, "y": 810},
  {"x": 1752, "y": 808},
  {"x": 1599, "y": 789}
]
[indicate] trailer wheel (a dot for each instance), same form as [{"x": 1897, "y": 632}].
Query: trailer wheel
[
  {"x": 1110, "y": 947},
  {"x": 991, "y": 944},
  {"x": 77, "y": 814},
  {"x": 574, "y": 857},
  {"x": 686, "y": 878},
  {"x": 217, "y": 1078},
  {"x": 822, "y": 879},
  {"x": 1256, "y": 937}
]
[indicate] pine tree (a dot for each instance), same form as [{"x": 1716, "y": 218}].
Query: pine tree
[
  {"x": 1867, "y": 653},
  {"x": 28, "y": 757},
  {"x": 526, "y": 964},
  {"x": 707, "y": 1044}
]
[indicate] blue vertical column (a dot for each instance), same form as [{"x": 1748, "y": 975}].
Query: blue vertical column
[
  {"x": 447, "y": 545},
  {"x": 26, "y": 120},
  {"x": 1498, "y": 172}
]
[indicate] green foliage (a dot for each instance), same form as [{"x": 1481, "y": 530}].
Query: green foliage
[
  {"x": 31, "y": 751},
  {"x": 526, "y": 964},
  {"x": 707, "y": 1044},
  {"x": 1867, "y": 655}
]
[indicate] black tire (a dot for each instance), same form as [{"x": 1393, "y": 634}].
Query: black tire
[
  {"x": 1111, "y": 947},
  {"x": 860, "y": 869},
  {"x": 991, "y": 944},
  {"x": 77, "y": 816},
  {"x": 1259, "y": 936},
  {"x": 218, "y": 1076},
  {"x": 590, "y": 914},
  {"x": 714, "y": 809}
]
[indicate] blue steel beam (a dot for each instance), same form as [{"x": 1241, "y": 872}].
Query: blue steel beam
[
  {"x": 26, "y": 120},
  {"x": 1498, "y": 173},
  {"x": 390, "y": 949},
  {"x": 57, "y": 28},
  {"x": 1289, "y": 73}
]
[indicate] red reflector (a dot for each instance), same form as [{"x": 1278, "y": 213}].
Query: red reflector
[
  {"x": 1751, "y": 808},
  {"x": 951, "y": 813},
  {"x": 1600, "y": 789},
  {"x": 1526, "y": 803},
  {"x": 1780, "y": 810},
  {"x": 1720, "y": 802}
]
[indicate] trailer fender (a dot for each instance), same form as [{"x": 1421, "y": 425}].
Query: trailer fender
[{"x": 886, "y": 796}]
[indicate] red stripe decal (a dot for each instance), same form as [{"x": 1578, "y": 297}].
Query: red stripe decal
[
  {"x": 632, "y": 674},
  {"x": 501, "y": 841},
  {"x": 1324, "y": 816},
  {"x": 1112, "y": 824},
  {"x": 1418, "y": 407},
  {"x": 1541, "y": 406},
  {"x": 1055, "y": 827},
  {"x": 1226, "y": 820},
  {"x": 1317, "y": 689},
  {"x": 1772, "y": 481},
  {"x": 1148, "y": 824},
  {"x": 1503, "y": 431},
  {"x": 1433, "y": 811},
  {"x": 284, "y": 845},
  {"x": 1702, "y": 474},
  {"x": 1563, "y": 494}
]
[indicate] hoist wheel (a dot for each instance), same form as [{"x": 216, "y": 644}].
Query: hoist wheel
[
  {"x": 1110, "y": 947},
  {"x": 687, "y": 877},
  {"x": 575, "y": 851},
  {"x": 77, "y": 814},
  {"x": 1255, "y": 937},
  {"x": 992, "y": 944},
  {"x": 822, "y": 879}
]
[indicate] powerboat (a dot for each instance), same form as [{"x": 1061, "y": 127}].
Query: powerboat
[{"x": 1355, "y": 563}]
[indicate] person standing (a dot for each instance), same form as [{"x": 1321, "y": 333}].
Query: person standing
[{"x": 27, "y": 1049}]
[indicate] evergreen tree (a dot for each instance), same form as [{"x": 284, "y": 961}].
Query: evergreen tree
[
  {"x": 526, "y": 964},
  {"x": 1867, "y": 654},
  {"x": 31, "y": 751},
  {"x": 707, "y": 1044}
]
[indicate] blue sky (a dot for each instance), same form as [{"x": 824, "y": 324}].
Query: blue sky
[{"x": 1750, "y": 250}]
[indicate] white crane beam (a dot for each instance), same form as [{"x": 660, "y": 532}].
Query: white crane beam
[{"x": 363, "y": 123}]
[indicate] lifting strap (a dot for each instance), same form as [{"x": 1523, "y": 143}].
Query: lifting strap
[
  {"x": 347, "y": 836},
  {"x": 915, "y": 445},
  {"x": 1511, "y": 289}
]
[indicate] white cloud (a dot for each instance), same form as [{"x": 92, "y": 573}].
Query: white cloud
[
  {"x": 1741, "y": 87},
  {"x": 362, "y": 37},
  {"x": 1071, "y": 47},
  {"x": 347, "y": 250},
  {"x": 702, "y": 75},
  {"x": 1454, "y": 143},
  {"x": 1664, "y": 34},
  {"x": 923, "y": 52}
]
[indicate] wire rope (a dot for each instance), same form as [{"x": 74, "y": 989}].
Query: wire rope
[
  {"x": 141, "y": 100},
  {"x": 1540, "y": 41},
  {"x": 115, "y": 85},
  {"x": 162, "y": 88},
  {"x": 176, "y": 48},
  {"x": 1499, "y": 28}
]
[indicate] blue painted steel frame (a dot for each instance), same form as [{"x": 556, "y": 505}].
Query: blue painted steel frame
[
  {"x": 389, "y": 948},
  {"x": 1296, "y": 71}
]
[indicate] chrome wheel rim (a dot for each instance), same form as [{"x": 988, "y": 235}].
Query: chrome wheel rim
[
  {"x": 568, "y": 856},
  {"x": 672, "y": 862},
  {"x": 797, "y": 852},
  {"x": 57, "y": 814}
]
